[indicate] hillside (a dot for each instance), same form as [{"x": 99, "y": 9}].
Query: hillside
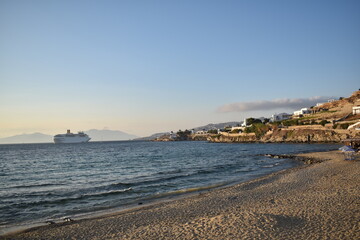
[
  {"x": 338, "y": 109},
  {"x": 328, "y": 122}
]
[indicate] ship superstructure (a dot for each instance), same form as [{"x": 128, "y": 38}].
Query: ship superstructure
[{"x": 69, "y": 137}]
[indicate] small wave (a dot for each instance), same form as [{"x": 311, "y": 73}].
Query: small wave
[
  {"x": 69, "y": 199},
  {"x": 159, "y": 179},
  {"x": 38, "y": 185},
  {"x": 219, "y": 168},
  {"x": 170, "y": 172},
  {"x": 103, "y": 188},
  {"x": 268, "y": 166},
  {"x": 203, "y": 171},
  {"x": 245, "y": 170},
  {"x": 163, "y": 177},
  {"x": 107, "y": 193},
  {"x": 121, "y": 184}
]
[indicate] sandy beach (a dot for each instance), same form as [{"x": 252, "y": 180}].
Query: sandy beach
[{"x": 317, "y": 201}]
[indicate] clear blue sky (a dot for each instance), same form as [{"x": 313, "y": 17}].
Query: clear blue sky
[{"x": 150, "y": 66}]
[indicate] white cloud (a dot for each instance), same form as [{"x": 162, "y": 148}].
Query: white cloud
[{"x": 295, "y": 103}]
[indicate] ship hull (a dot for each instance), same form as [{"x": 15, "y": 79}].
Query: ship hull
[{"x": 71, "y": 139}]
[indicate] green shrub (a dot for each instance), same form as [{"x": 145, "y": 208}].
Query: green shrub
[
  {"x": 291, "y": 122},
  {"x": 250, "y": 121},
  {"x": 183, "y": 135},
  {"x": 235, "y": 131},
  {"x": 275, "y": 124},
  {"x": 258, "y": 128},
  {"x": 213, "y": 131},
  {"x": 323, "y": 122}
]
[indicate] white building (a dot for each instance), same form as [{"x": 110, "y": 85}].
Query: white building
[
  {"x": 237, "y": 128},
  {"x": 356, "y": 110},
  {"x": 280, "y": 117},
  {"x": 244, "y": 124},
  {"x": 302, "y": 111}
]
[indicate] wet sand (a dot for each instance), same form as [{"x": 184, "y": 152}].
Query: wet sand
[{"x": 318, "y": 201}]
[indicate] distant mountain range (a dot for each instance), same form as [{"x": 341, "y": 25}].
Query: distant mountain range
[
  {"x": 27, "y": 138},
  {"x": 152, "y": 137},
  {"x": 96, "y": 135},
  {"x": 108, "y": 135}
]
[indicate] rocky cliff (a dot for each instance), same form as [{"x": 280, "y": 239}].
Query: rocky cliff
[{"x": 295, "y": 135}]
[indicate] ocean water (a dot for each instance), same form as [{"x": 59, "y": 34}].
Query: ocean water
[{"x": 40, "y": 182}]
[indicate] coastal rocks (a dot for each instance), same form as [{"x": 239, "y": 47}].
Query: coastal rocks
[
  {"x": 306, "y": 160},
  {"x": 233, "y": 138},
  {"x": 199, "y": 138},
  {"x": 300, "y": 135},
  {"x": 304, "y": 136},
  {"x": 279, "y": 156}
]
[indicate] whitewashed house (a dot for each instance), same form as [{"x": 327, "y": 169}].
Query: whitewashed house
[
  {"x": 302, "y": 111},
  {"x": 237, "y": 128},
  {"x": 356, "y": 110},
  {"x": 280, "y": 117},
  {"x": 244, "y": 124}
]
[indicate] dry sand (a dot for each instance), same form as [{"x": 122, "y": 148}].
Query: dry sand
[{"x": 319, "y": 201}]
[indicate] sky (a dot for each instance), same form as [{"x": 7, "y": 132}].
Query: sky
[{"x": 149, "y": 66}]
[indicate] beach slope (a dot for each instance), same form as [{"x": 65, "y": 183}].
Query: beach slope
[{"x": 318, "y": 201}]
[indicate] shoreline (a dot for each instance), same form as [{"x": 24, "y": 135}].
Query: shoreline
[
  {"x": 251, "y": 209},
  {"x": 165, "y": 197}
]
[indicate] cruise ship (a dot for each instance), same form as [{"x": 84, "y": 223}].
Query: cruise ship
[{"x": 69, "y": 137}]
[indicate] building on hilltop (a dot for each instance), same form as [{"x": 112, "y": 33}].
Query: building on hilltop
[
  {"x": 237, "y": 128},
  {"x": 356, "y": 110},
  {"x": 302, "y": 112},
  {"x": 244, "y": 124},
  {"x": 280, "y": 117},
  {"x": 356, "y": 107}
]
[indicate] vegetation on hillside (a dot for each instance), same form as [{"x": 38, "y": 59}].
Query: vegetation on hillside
[
  {"x": 183, "y": 135},
  {"x": 258, "y": 128}
]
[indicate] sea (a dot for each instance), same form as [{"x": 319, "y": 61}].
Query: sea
[{"x": 49, "y": 182}]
